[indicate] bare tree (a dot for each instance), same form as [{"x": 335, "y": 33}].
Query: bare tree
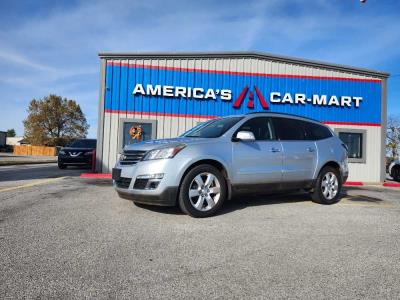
[{"x": 393, "y": 137}]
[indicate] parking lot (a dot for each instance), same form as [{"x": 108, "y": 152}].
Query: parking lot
[{"x": 62, "y": 236}]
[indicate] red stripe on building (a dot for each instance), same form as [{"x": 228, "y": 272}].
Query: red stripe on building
[
  {"x": 119, "y": 64},
  {"x": 118, "y": 111},
  {"x": 351, "y": 123}
]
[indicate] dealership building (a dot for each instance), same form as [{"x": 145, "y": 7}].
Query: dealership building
[{"x": 161, "y": 95}]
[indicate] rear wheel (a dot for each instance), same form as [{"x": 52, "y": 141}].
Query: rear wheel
[
  {"x": 396, "y": 173},
  {"x": 202, "y": 191},
  {"x": 328, "y": 186}
]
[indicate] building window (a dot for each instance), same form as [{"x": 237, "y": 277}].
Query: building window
[
  {"x": 355, "y": 142},
  {"x": 132, "y": 131}
]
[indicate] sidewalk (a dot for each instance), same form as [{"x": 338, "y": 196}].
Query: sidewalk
[{"x": 7, "y": 159}]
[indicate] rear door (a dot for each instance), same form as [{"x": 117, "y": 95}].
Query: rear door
[
  {"x": 259, "y": 161},
  {"x": 299, "y": 151}
]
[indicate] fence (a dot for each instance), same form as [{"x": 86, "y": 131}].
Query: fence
[{"x": 34, "y": 150}]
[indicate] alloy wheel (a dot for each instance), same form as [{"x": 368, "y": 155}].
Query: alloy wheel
[
  {"x": 204, "y": 191},
  {"x": 329, "y": 185}
]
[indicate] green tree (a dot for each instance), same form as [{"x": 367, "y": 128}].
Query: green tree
[
  {"x": 11, "y": 132},
  {"x": 54, "y": 121}
]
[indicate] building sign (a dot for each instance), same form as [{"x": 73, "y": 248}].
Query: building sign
[
  {"x": 175, "y": 92},
  {"x": 181, "y": 91},
  {"x": 226, "y": 95}
]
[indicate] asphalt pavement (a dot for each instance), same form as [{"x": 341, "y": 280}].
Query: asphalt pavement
[
  {"x": 11, "y": 159},
  {"x": 65, "y": 237}
]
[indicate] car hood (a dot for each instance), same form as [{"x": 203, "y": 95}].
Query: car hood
[
  {"x": 69, "y": 149},
  {"x": 162, "y": 143}
]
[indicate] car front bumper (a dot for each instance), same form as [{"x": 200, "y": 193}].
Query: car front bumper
[
  {"x": 166, "y": 192},
  {"x": 77, "y": 161}
]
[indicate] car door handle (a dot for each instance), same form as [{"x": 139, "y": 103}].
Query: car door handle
[
  {"x": 309, "y": 149},
  {"x": 275, "y": 150}
]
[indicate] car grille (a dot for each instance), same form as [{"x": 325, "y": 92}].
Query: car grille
[
  {"x": 131, "y": 157},
  {"x": 140, "y": 184},
  {"x": 123, "y": 182}
]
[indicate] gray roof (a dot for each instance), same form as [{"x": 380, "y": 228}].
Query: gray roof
[{"x": 259, "y": 55}]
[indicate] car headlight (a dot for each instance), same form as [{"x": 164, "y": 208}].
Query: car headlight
[
  {"x": 163, "y": 153},
  {"x": 62, "y": 152}
]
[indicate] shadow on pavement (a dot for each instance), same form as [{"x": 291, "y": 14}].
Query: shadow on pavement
[
  {"x": 359, "y": 198},
  {"x": 238, "y": 202},
  {"x": 242, "y": 202}
]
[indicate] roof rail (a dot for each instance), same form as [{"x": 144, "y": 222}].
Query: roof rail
[{"x": 280, "y": 113}]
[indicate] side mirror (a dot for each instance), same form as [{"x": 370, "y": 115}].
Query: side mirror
[{"x": 245, "y": 136}]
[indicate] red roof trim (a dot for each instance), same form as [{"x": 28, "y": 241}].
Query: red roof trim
[{"x": 117, "y": 111}]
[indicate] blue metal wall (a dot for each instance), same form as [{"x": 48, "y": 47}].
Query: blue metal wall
[{"x": 121, "y": 80}]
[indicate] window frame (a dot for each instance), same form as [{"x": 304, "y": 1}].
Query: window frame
[
  {"x": 363, "y": 132},
  {"x": 121, "y": 123},
  {"x": 269, "y": 119}
]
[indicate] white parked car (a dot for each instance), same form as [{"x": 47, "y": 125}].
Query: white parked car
[{"x": 394, "y": 170}]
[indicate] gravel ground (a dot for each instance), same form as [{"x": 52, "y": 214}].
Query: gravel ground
[{"x": 74, "y": 238}]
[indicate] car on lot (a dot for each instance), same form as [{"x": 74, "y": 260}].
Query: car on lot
[
  {"x": 394, "y": 170},
  {"x": 259, "y": 152},
  {"x": 78, "y": 153}
]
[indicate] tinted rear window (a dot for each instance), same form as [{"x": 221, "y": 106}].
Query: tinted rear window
[
  {"x": 289, "y": 129},
  {"x": 294, "y": 130},
  {"x": 317, "y": 132}
]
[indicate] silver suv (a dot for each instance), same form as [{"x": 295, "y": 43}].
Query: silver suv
[{"x": 257, "y": 152}]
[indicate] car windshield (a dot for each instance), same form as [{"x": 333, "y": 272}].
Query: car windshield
[
  {"x": 193, "y": 129},
  {"x": 83, "y": 144},
  {"x": 213, "y": 128}
]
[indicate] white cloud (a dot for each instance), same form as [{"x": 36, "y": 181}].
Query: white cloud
[
  {"x": 58, "y": 53},
  {"x": 23, "y": 61}
]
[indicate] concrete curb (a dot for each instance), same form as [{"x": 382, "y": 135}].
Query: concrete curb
[{"x": 96, "y": 175}]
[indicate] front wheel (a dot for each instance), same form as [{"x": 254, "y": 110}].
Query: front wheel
[
  {"x": 328, "y": 186},
  {"x": 62, "y": 166},
  {"x": 202, "y": 191}
]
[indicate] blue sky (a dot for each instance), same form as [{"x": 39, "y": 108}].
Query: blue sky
[{"x": 52, "y": 46}]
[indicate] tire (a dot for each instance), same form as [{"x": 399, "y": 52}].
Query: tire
[
  {"x": 62, "y": 166},
  {"x": 207, "y": 186},
  {"x": 328, "y": 186},
  {"x": 395, "y": 173}
]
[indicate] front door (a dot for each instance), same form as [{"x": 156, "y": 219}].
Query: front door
[{"x": 260, "y": 161}]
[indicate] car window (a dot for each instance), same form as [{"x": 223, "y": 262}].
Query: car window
[
  {"x": 316, "y": 131},
  {"x": 289, "y": 129},
  {"x": 214, "y": 128},
  {"x": 261, "y": 127},
  {"x": 84, "y": 144}
]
